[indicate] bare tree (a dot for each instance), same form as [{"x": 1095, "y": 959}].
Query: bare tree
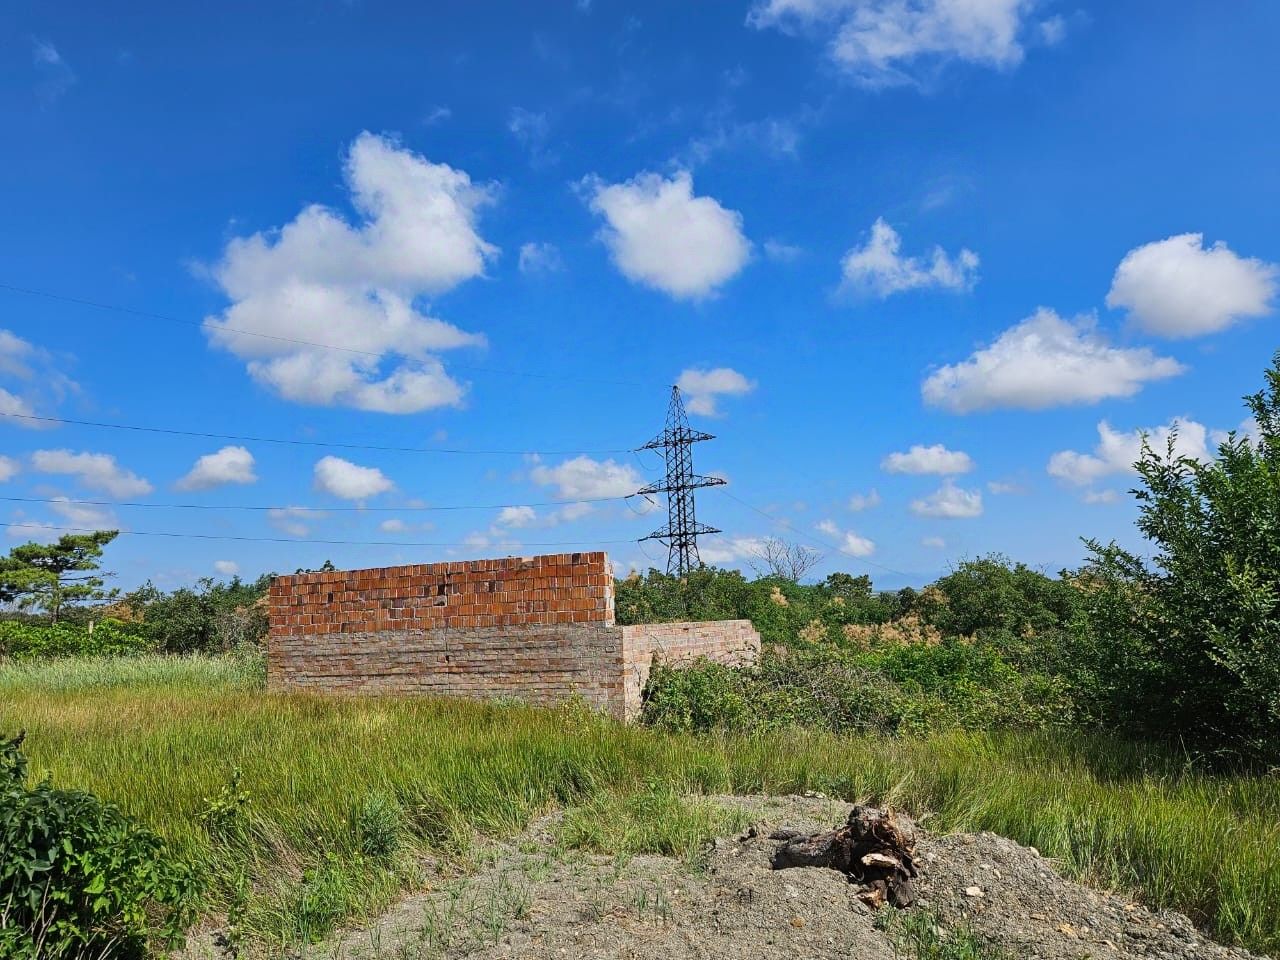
[{"x": 775, "y": 557}]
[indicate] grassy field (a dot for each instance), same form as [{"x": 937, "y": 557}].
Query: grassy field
[{"x": 323, "y": 776}]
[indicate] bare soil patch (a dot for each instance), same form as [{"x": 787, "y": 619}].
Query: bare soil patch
[{"x": 531, "y": 898}]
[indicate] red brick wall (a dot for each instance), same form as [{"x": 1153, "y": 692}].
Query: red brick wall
[
  {"x": 539, "y": 628},
  {"x": 560, "y": 588}
]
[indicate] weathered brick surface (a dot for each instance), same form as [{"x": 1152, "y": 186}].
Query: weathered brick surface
[
  {"x": 538, "y": 628},
  {"x": 731, "y": 642}
]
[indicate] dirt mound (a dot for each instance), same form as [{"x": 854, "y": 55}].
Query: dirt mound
[{"x": 531, "y": 898}]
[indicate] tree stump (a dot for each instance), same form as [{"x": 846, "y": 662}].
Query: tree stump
[{"x": 875, "y": 849}]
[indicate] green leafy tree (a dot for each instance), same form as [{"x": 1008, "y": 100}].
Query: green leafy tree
[
  {"x": 1192, "y": 640},
  {"x": 51, "y": 577}
]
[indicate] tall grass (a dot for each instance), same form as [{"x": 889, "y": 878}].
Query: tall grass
[{"x": 163, "y": 741}]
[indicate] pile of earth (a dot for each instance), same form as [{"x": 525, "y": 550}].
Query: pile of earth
[{"x": 530, "y": 898}]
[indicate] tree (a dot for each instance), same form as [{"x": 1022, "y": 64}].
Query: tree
[
  {"x": 774, "y": 557},
  {"x": 1194, "y": 637},
  {"x": 51, "y": 576}
]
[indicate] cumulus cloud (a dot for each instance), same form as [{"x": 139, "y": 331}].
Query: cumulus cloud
[
  {"x": 921, "y": 459},
  {"x": 661, "y": 235},
  {"x": 1117, "y": 451},
  {"x": 878, "y": 268},
  {"x": 228, "y": 465},
  {"x": 295, "y": 521},
  {"x": 342, "y": 478},
  {"x": 582, "y": 478},
  {"x": 703, "y": 388},
  {"x": 353, "y": 286},
  {"x": 228, "y": 568},
  {"x": 1045, "y": 361},
  {"x": 540, "y": 258},
  {"x": 864, "y": 501},
  {"x": 9, "y": 468},
  {"x": 850, "y": 542},
  {"x": 1179, "y": 288},
  {"x": 98, "y": 471},
  {"x": 522, "y": 516},
  {"x": 933, "y": 543},
  {"x": 949, "y": 501},
  {"x": 887, "y": 42}
]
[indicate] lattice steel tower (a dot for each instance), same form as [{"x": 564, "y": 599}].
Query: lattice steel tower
[{"x": 683, "y": 529}]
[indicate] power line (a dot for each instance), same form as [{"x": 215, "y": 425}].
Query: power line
[
  {"x": 240, "y": 331},
  {"x": 38, "y": 527},
  {"x": 308, "y": 509},
  {"x": 812, "y": 539},
  {"x": 337, "y": 445}
]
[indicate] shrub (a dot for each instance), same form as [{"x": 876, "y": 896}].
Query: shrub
[
  {"x": 211, "y": 617},
  {"x": 1194, "y": 636},
  {"x": 78, "y": 879},
  {"x": 897, "y": 689},
  {"x": 22, "y": 639}
]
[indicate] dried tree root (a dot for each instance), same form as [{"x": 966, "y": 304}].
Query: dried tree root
[{"x": 875, "y": 849}]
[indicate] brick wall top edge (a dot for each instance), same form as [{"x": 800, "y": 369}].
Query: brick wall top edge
[{"x": 595, "y": 558}]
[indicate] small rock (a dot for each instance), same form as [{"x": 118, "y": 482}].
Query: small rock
[
  {"x": 797, "y": 921},
  {"x": 973, "y": 892}
]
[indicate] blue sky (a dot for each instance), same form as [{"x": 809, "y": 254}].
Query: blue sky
[{"x": 925, "y": 267}]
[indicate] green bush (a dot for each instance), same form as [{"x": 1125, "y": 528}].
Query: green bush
[
  {"x": 893, "y": 690},
  {"x": 211, "y": 617},
  {"x": 1188, "y": 647},
  {"x": 21, "y": 639},
  {"x": 78, "y": 879}
]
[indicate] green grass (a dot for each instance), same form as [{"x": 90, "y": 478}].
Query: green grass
[{"x": 163, "y": 739}]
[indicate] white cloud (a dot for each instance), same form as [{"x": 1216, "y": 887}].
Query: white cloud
[
  {"x": 342, "y": 478},
  {"x": 295, "y": 521},
  {"x": 857, "y": 546},
  {"x": 34, "y": 367},
  {"x": 393, "y": 525},
  {"x": 1100, "y": 497},
  {"x": 517, "y": 517},
  {"x": 1045, "y": 361},
  {"x": 324, "y": 280},
  {"x": 98, "y": 471},
  {"x": 886, "y": 42},
  {"x": 1118, "y": 451},
  {"x": 934, "y": 543},
  {"x": 704, "y": 387},
  {"x": 949, "y": 501},
  {"x": 1003, "y": 487},
  {"x": 532, "y": 129},
  {"x": 662, "y": 236},
  {"x": 228, "y": 465},
  {"x": 9, "y": 468},
  {"x": 583, "y": 478},
  {"x": 850, "y": 542},
  {"x": 228, "y": 568},
  {"x": 86, "y": 516},
  {"x": 32, "y": 530},
  {"x": 877, "y": 268},
  {"x": 780, "y": 252},
  {"x": 936, "y": 459},
  {"x": 56, "y": 75},
  {"x": 864, "y": 501},
  {"x": 573, "y": 511},
  {"x": 540, "y": 258},
  {"x": 731, "y": 549},
  {"x": 1177, "y": 288}
]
